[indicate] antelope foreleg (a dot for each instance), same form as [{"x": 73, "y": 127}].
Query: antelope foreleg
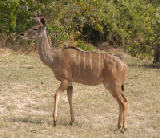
[
  {"x": 63, "y": 86},
  {"x": 70, "y": 93}
]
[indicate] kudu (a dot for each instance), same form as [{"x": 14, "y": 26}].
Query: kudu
[{"x": 75, "y": 65}]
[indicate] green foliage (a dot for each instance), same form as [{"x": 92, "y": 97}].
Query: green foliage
[
  {"x": 14, "y": 15},
  {"x": 132, "y": 24},
  {"x": 83, "y": 46}
]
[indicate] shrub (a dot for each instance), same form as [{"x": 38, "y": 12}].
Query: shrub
[{"x": 130, "y": 24}]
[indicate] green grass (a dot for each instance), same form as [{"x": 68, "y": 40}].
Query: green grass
[{"x": 27, "y": 90}]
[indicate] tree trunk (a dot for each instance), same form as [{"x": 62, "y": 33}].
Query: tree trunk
[{"x": 157, "y": 53}]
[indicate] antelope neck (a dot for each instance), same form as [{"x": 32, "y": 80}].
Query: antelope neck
[{"x": 45, "y": 51}]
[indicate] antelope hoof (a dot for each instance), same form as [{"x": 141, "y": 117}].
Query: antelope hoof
[
  {"x": 118, "y": 128},
  {"x": 123, "y": 130},
  {"x": 71, "y": 123},
  {"x": 55, "y": 123}
]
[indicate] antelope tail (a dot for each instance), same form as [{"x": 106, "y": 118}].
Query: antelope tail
[{"x": 122, "y": 87}]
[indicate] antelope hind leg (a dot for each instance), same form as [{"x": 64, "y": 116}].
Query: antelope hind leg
[
  {"x": 123, "y": 106},
  {"x": 120, "y": 123},
  {"x": 123, "y": 102},
  {"x": 125, "y": 114},
  {"x": 123, "y": 110}
]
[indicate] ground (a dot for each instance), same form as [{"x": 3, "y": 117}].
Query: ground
[{"x": 27, "y": 90}]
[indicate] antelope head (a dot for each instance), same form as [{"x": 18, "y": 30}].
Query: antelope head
[{"x": 36, "y": 31}]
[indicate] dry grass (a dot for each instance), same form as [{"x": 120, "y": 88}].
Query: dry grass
[{"x": 26, "y": 102}]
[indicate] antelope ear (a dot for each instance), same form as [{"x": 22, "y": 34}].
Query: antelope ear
[{"x": 42, "y": 20}]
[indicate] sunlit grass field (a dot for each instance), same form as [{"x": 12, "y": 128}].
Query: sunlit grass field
[{"x": 27, "y": 90}]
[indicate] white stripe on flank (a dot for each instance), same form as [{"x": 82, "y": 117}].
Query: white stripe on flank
[
  {"x": 99, "y": 61},
  {"x": 79, "y": 61},
  {"x": 84, "y": 60},
  {"x": 121, "y": 64},
  {"x": 103, "y": 60},
  {"x": 111, "y": 62},
  {"x": 91, "y": 60},
  {"x": 114, "y": 64}
]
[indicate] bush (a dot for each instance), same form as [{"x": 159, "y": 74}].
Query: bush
[{"x": 130, "y": 24}]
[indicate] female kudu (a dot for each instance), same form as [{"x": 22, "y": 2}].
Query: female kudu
[{"x": 75, "y": 65}]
